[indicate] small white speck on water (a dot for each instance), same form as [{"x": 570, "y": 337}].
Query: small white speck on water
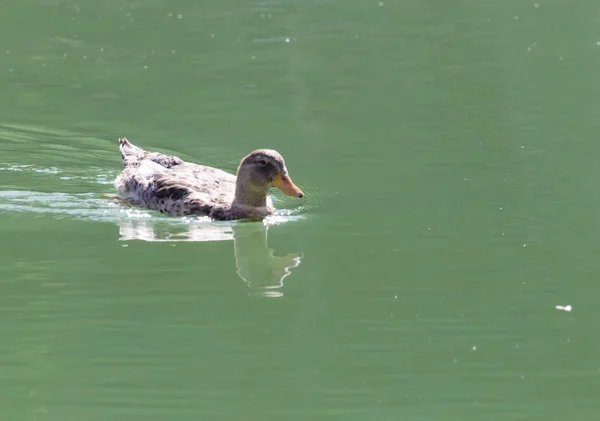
[
  {"x": 564, "y": 308},
  {"x": 65, "y": 54},
  {"x": 287, "y": 40},
  {"x": 395, "y": 297},
  {"x": 597, "y": 42},
  {"x": 528, "y": 48},
  {"x": 428, "y": 228},
  {"x": 180, "y": 16},
  {"x": 170, "y": 13},
  {"x": 517, "y": 346},
  {"x": 474, "y": 348},
  {"x": 253, "y": 57},
  {"x": 43, "y": 64},
  {"x": 125, "y": 245},
  {"x": 85, "y": 57},
  {"x": 536, "y": 5},
  {"x": 522, "y": 377},
  {"x": 381, "y": 4},
  {"x": 455, "y": 360},
  {"x": 391, "y": 314},
  {"x": 10, "y": 70},
  {"x": 153, "y": 52},
  {"x": 560, "y": 58},
  {"x": 172, "y": 51},
  {"x": 212, "y": 35},
  {"x": 516, "y": 18},
  {"x": 269, "y": 15},
  {"x": 7, "y": 51},
  {"x": 465, "y": 179},
  {"x": 145, "y": 66},
  {"x": 500, "y": 207},
  {"x": 524, "y": 245},
  {"x": 522, "y": 147}
]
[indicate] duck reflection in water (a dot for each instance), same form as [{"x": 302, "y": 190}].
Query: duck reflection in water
[{"x": 257, "y": 266}]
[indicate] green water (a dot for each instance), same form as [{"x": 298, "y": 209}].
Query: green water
[{"x": 448, "y": 152}]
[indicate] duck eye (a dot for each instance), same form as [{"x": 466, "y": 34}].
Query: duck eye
[{"x": 263, "y": 163}]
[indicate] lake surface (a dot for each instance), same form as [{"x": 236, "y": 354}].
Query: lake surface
[{"x": 449, "y": 156}]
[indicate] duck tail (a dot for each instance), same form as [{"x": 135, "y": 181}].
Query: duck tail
[{"x": 128, "y": 150}]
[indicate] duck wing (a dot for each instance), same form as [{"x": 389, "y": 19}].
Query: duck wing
[
  {"x": 198, "y": 182},
  {"x": 181, "y": 186},
  {"x": 173, "y": 186}
]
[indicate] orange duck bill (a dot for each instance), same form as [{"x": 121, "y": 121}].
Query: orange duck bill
[{"x": 286, "y": 185}]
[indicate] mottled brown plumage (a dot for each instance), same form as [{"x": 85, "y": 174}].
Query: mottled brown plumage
[{"x": 172, "y": 186}]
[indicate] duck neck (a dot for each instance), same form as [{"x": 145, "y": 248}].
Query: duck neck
[{"x": 246, "y": 196}]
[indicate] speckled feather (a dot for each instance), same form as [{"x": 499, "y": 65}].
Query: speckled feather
[{"x": 174, "y": 187}]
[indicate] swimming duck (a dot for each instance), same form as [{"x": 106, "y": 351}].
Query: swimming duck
[{"x": 174, "y": 187}]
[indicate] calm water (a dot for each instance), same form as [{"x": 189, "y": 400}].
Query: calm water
[{"x": 448, "y": 153}]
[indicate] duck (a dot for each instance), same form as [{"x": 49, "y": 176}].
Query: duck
[{"x": 174, "y": 187}]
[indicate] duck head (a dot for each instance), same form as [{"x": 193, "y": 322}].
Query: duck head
[{"x": 257, "y": 173}]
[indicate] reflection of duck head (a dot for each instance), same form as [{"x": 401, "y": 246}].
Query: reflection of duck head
[{"x": 256, "y": 265}]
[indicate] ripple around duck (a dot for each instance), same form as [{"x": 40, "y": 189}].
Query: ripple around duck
[
  {"x": 97, "y": 208},
  {"x": 93, "y": 205},
  {"x": 135, "y": 223},
  {"x": 66, "y": 186}
]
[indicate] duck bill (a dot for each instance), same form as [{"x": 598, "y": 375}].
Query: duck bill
[{"x": 286, "y": 185}]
